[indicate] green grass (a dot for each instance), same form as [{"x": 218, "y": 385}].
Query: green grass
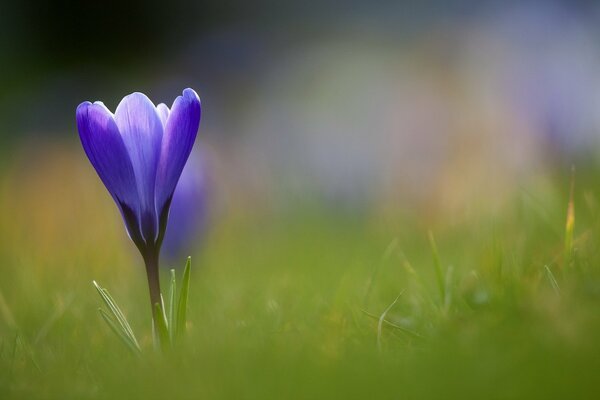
[{"x": 301, "y": 304}]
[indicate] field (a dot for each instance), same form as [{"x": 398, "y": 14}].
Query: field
[{"x": 307, "y": 301}]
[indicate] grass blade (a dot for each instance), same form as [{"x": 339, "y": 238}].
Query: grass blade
[
  {"x": 183, "y": 298},
  {"x": 172, "y": 316},
  {"x": 552, "y": 280},
  {"x": 393, "y": 325},
  {"x": 382, "y": 318},
  {"x": 116, "y": 311},
  {"x": 131, "y": 345},
  {"x": 438, "y": 267},
  {"x": 161, "y": 326}
]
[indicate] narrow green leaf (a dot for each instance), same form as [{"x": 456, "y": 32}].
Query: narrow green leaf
[
  {"x": 552, "y": 280},
  {"x": 438, "y": 267},
  {"x": 183, "y": 298},
  {"x": 155, "y": 338},
  {"x": 393, "y": 325},
  {"x": 131, "y": 345},
  {"x": 382, "y": 318},
  {"x": 116, "y": 311},
  {"x": 172, "y": 316},
  {"x": 112, "y": 305},
  {"x": 161, "y": 326},
  {"x": 164, "y": 310}
]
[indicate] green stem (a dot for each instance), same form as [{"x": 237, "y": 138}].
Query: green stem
[{"x": 151, "y": 261}]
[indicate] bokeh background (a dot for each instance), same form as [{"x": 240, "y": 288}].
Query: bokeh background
[
  {"x": 334, "y": 137},
  {"x": 430, "y": 106}
]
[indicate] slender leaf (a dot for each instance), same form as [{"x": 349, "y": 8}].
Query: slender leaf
[
  {"x": 172, "y": 316},
  {"x": 131, "y": 345},
  {"x": 382, "y": 318},
  {"x": 155, "y": 338},
  {"x": 438, "y": 267},
  {"x": 552, "y": 280},
  {"x": 164, "y": 310},
  {"x": 393, "y": 325},
  {"x": 116, "y": 311},
  {"x": 183, "y": 298},
  {"x": 161, "y": 326}
]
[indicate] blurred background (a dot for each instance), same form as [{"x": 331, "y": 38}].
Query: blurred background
[
  {"x": 428, "y": 108},
  {"x": 334, "y": 137}
]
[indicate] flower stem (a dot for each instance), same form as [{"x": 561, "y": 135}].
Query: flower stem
[{"x": 151, "y": 261}]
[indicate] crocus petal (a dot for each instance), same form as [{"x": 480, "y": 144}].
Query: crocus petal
[
  {"x": 179, "y": 136},
  {"x": 141, "y": 129},
  {"x": 106, "y": 151},
  {"x": 163, "y": 113}
]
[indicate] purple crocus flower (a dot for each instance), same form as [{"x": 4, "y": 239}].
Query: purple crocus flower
[{"x": 139, "y": 153}]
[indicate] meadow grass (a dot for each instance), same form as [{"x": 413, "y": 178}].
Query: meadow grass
[{"x": 307, "y": 303}]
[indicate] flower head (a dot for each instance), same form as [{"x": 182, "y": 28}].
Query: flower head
[{"x": 139, "y": 153}]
